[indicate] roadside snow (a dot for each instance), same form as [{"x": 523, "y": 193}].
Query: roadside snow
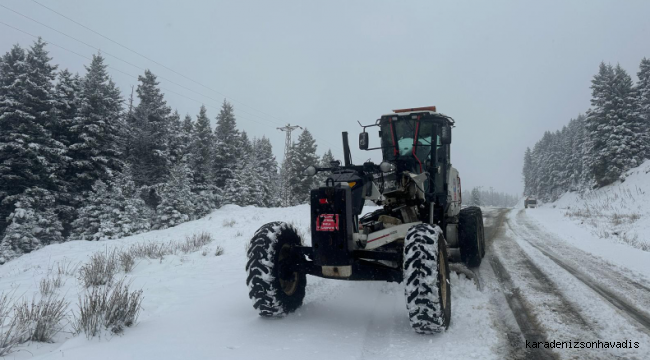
[{"x": 196, "y": 306}]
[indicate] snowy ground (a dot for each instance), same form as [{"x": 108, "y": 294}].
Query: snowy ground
[
  {"x": 538, "y": 284},
  {"x": 197, "y": 307}
]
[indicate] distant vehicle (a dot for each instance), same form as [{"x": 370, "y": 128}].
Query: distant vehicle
[{"x": 530, "y": 202}]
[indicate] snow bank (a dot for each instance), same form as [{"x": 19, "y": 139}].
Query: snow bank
[
  {"x": 612, "y": 222},
  {"x": 196, "y": 306}
]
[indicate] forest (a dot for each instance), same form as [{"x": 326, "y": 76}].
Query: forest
[
  {"x": 79, "y": 160},
  {"x": 595, "y": 149}
]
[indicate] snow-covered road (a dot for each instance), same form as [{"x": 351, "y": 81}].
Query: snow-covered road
[
  {"x": 535, "y": 287},
  {"x": 557, "y": 292}
]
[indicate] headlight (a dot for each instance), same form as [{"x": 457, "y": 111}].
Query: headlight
[{"x": 387, "y": 167}]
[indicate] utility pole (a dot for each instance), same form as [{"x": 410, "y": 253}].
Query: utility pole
[{"x": 285, "y": 171}]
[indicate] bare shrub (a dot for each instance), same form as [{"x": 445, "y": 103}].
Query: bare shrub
[
  {"x": 111, "y": 308},
  {"x": 100, "y": 270},
  {"x": 218, "y": 251},
  {"x": 41, "y": 320},
  {"x": 11, "y": 332},
  {"x": 127, "y": 261},
  {"x": 229, "y": 223},
  {"x": 151, "y": 250},
  {"x": 204, "y": 252},
  {"x": 48, "y": 286},
  {"x": 67, "y": 268},
  {"x": 195, "y": 242}
]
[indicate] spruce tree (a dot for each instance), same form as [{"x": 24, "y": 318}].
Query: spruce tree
[
  {"x": 303, "y": 155},
  {"x": 96, "y": 149},
  {"x": 643, "y": 101},
  {"x": 112, "y": 210},
  {"x": 149, "y": 129},
  {"x": 614, "y": 128},
  {"x": 325, "y": 162},
  {"x": 267, "y": 173},
  {"x": 31, "y": 158},
  {"x": 32, "y": 225},
  {"x": 227, "y": 151},
  {"x": 178, "y": 141},
  {"x": 202, "y": 150},
  {"x": 177, "y": 204},
  {"x": 527, "y": 172}
]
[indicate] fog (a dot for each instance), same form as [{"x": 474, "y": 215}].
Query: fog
[{"x": 506, "y": 71}]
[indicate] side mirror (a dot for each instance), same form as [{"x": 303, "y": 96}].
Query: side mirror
[
  {"x": 363, "y": 141},
  {"x": 445, "y": 136},
  {"x": 310, "y": 171}
]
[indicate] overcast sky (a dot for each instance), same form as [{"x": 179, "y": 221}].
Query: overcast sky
[{"x": 505, "y": 70}]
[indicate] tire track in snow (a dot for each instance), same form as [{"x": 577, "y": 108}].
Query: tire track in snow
[
  {"x": 527, "y": 326},
  {"x": 609, "y": 275}
]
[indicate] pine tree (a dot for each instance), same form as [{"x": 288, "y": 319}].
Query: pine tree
[
  {"x": 30, "y": 156},
  {"x": 178, "y": 141},
  {"x": 32, "y": 225},
  {"x": 95, "y": 150},
  {"x": 325, "y": 162},
  {"x": 613, "y": 125},
  {"x": 476, "y": 197},
  {"x": 149, "y": 128},
  {"x": 527, "y": 172},
  {"x": 226, "y": 150},
  {"x": 112, "y": 210},
  {"x": 242, "y": 188},
  {"x": 303, "y": 155},
  {"x": 267, "y": 174},
  {"x": 643, "y": 101},
  {"x": 202, "y": 150},
  {"x": 177, "y": 204}
]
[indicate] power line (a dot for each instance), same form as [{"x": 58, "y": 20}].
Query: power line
[
  {"x": 161, "y": 65},
  {"x": 152, "y": 60},
  {"x": 125, "y": 61},
  {"x": 140, "y": 68},
  {"x": 120, "y": 71}
]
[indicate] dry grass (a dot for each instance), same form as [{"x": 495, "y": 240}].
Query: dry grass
[
  {"x": 48, "y": 285},
  {"x": 229, "y": 223},
  {"x": 127, "y": 261},
  {"x": 42, "y": 319},
  {"x": 218, "y": 251},
  {"x": 11, "y": 332},
  {"x": 110, "y": 308},
  {"x": 100, "y": 270}
]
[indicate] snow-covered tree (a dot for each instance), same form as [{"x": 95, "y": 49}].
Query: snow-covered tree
[
  {"x": 303, "y": 155},
  {"x": 30, "y": 156},
  {"x": 266, "y": 174},
  {"x": 32, "y": 224},
  {"x": 227, "y": 151},
  {"x": 96, "y": 149},
  {"x": 177, "y": 204},
  {"x": 643, "y": 100},
  {"x": 527, "y": 172},
  {"x": 202, "y": 150},
  {"x": 614, "y": 128},
  {"x": 325, "y": 162},
  {"x": 476, "y": 197},
  {"x": 149, "y": 130},
  {"x": 178, "y": 140},
  {"x": 112, "y": 210}
]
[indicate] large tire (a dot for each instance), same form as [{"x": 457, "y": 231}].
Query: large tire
[
  {"x": 426, "y": 277},
  {"x": 471, "y": 236},
  {"x": 273, "y": 287}
]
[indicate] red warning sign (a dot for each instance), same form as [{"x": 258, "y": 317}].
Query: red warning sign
[{"x": 327, "y": 222}]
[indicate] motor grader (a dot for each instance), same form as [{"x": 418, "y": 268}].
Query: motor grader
[{"x": 418, "y": 229}]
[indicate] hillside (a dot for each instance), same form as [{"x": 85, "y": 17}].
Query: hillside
[{"x": 196, "y": 305}]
